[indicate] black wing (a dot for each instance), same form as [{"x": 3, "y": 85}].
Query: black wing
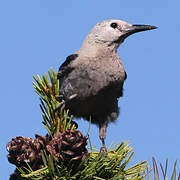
[{"x": 65, "y": 68}]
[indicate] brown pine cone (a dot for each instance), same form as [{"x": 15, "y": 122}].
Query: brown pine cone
[
  {"x": 24, "y": 150},
  {"x": 69, "y": 146}
]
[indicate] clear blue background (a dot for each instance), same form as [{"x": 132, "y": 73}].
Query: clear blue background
[{"x": 38, "y": 34}]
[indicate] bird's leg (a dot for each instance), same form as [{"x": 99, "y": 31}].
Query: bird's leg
[{"x": 102, "y": 136}]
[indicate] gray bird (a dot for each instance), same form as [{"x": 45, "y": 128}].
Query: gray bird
[{"x": 91, "y": 80}]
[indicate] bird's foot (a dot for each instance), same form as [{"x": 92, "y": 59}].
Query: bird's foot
[
  {"x": 63, "y": 102},
  {"x": 60, "y": 106},
  {"x": 103, "y": 149},
  {"x": 103, "y": 152},
  {"x": 59, "y": 97}
]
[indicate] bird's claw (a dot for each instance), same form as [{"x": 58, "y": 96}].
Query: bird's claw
[
  {"x": 103, "y": 152},
  {"x": 103, "y": 149},
  {"x": 63, "y": 102},
  {"x": 61, "y": 105}
]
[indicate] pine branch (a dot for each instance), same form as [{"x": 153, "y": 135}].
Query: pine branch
[
  {"x": 95, "y": 167},
  {"x": 48, "y": 90},
  {"x": 62, "y": 154}
]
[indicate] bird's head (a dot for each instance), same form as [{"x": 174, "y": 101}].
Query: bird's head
[{"x": 114, "y": 32}]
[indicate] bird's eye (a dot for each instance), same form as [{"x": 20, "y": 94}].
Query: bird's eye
[{"x": 114, "y": 25}]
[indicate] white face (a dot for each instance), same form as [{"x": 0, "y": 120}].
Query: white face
[
  {"x": 113, "y": 32},
  {"x": 109, "y": 30}
]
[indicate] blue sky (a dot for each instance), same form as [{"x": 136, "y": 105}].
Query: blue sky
[{"x": 38, "y": 34}]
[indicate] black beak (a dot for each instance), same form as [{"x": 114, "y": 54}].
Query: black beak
[{"x": 137, "y": 28}]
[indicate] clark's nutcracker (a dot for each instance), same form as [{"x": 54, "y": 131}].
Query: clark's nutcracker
[{"x": 91, "y": 80}]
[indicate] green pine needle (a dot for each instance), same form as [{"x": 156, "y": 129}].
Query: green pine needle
[
  {"x": 47, "y": 88},
  {"x": 95, "y": 167}
]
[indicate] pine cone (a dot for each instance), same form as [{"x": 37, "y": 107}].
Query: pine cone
[
  {"x": 69, "y": 146},
  {"x": 24, "y": 150}
]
